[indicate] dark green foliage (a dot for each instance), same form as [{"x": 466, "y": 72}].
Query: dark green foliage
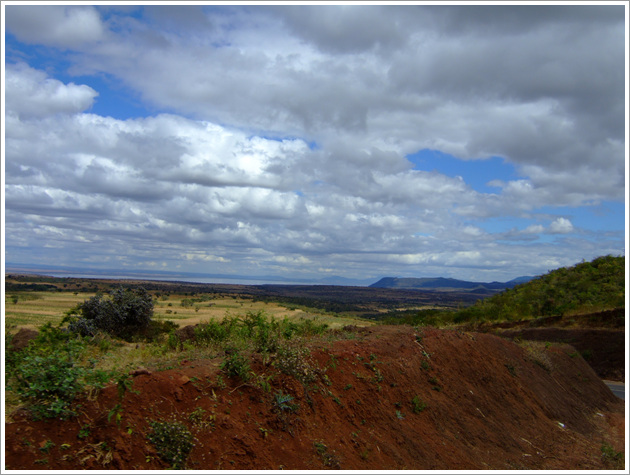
[
  {"x": 173, "y": 442},
  {"x": 417, "y": 405},
  {"x": 236, "y": 365},
  {"x": 586, "y": 287},
  {"x": 155, "y": 328},
  {"x": 124, "y": 314},
  {"x": 612, "y": 458},
  {"x": 13, "y": 287},
  {"x": 47, "y": 374},
  {"x": 264, "y": 333},
  {"x": 214, "y": 332}
]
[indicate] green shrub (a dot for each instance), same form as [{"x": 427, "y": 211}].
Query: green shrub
[
  {"x": 173, "y": 442},
  {"x": 216, "y": 332},
  {"x": 47, "y": 375},
  {"x": 612, "y": 458},
  {"x": 124, "y": 314},
  {"x": 236, "y": 365},
  {"x": 50, "y": 384},
  {"x": 417, "y": 405}
]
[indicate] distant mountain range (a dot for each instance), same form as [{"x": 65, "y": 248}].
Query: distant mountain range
[
  {"x": 437, "y": 283},
  {"x": 445, "y": 284}
]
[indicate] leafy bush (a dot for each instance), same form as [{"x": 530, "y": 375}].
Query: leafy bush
[
  {"x": 216, "y": 332},
  {"x": 236, "y": 365},
  {"x": 173, "y": 442},
  {"x": 47, "y": 374},
  {"x": 124, "y": 314}
]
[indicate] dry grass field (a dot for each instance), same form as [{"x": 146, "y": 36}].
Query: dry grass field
[{"x": 34, "y": 309}]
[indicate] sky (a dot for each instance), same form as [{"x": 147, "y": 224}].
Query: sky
[{"x": 479, "y": 142}]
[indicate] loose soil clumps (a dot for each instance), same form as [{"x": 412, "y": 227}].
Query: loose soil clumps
[{"x": 389, "y": 399}]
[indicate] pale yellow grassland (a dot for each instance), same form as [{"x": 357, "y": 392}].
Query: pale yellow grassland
[
  {"x": 34, "y": 309},
  {"x": 37, "y": 308}
]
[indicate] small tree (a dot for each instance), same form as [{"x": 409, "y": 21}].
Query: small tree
[{"x": 125, "y": 313}]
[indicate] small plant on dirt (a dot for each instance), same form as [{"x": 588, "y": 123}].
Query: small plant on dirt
[
  {"x": 417, "y": 405},
  {"x": 199, "y": 419},
  {"x": 378, "y": 376},
  {"x": 399, "y": 415},
  {"x": 263, "y": 382},
  {"x": 329, "y": 460},
  {"x": 294, "y": 360},
  {"x": 173, "y": 442},
  {"x": 84, "y": 432},
  {"x": 283, "y": 403},
  {"x": 124, "y": 384},
  {"x": 237, "y": 366},
  {"x": 115, "y": 413},
  {"x": 612, "y": 458},
  {"x": 49, "y": 444}
]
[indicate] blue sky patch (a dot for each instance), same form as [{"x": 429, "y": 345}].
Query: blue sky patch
[{"x": 476, "y": 173}]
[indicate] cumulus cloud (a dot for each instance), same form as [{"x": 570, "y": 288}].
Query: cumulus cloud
[
  {"x": 34, "y": 94},
  {"x": 282, "y": 134},
  {"x": 561, "y": 226}
]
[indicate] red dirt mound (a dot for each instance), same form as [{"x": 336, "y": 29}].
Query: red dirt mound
[{"x": 388, "y": 398}]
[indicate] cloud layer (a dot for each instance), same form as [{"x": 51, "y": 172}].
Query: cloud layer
[{"x": 277, "y": 138}]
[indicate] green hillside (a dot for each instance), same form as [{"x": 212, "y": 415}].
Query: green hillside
[{"x": 586, "y": 287}]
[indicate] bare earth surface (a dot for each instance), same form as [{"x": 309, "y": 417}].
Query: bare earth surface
[{"x": 489, "y": 404}]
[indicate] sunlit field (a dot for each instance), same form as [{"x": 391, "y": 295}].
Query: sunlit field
[{"x": 34, "y": 309}]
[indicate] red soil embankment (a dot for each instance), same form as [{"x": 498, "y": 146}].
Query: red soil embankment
[{"x": 389, "y": 398}]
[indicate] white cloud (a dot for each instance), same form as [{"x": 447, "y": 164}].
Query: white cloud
[
  {"x": 30, "y": 93},
  {"x": 560, "y": 226}
]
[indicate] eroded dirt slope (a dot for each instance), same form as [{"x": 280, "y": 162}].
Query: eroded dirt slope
[
  {"x": 390, "y": 398},
  {"x": 599, "y": 337}
]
